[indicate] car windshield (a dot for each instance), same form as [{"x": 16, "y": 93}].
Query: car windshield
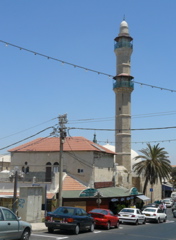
[
  {"x": 64, "y": 210},
  {"x": 166, "y": 200},
  {"x": 150, "y": 210},
  {"x": 102, "y": 211},
  {"x": 127, "y": 210}
]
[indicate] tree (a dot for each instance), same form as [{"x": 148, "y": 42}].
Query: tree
[
  {"x": 173, "y": 178},
  {"x": 155, "y": 165}
]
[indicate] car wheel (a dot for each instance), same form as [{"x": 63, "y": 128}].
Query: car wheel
[
  {"x": 144, "y": 222},
  {"x": 76, "y": 231},
  {"x": 50, "y": 230},
  {"x": 117, "y": 224},
  {"x": 158, "y": 220},
  {"x": 165, "y": 219},
  {"x": 137, "y": 222},
  {"x": 25, "y": 235},
  {"x": 92, "y": 226},
  {"x": 108, "y": 226}
]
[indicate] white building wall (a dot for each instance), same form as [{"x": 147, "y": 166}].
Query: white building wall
[{"x": 87, "y": 167}]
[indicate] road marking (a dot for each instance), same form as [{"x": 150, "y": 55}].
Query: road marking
[
  {"x": 168, "y": 221},
  {"x": 39, "y": 235},
  {"x": 96, "y": 231}
]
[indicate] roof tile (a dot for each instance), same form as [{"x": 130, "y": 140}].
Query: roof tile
[{"x": 52, "y": 144}]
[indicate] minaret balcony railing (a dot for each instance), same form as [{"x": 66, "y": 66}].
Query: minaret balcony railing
[
  {"x": 123, "y": 84},
  {"x": 123, "y": 44}
]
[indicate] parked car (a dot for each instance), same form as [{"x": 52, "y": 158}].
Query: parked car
[
  {"x": 104, "y": 218},
  {"x": 69, "y": 218},
  {"x": 174, "y": 206},
  {"x": 11, "y": 226},
  {"x": 174, "y": 213},
  {"x": 154, "y": 214},
  {"x": 168, "y": 202},
  {"x": 154, "y": 205},
  {"x": 131, "y": 215}
]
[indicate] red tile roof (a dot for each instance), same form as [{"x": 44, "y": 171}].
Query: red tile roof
[
  {"x": 52, "y": 144},
  {"x": 70, "y": 183}
]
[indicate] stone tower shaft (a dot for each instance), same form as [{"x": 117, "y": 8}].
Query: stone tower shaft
[{"x": 123, "y": 86}]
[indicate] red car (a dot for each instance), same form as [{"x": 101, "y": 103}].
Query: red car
[{"x": 104, "y": 218}]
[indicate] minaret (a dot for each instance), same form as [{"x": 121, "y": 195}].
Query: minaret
[{"x": 123, "y": 86}]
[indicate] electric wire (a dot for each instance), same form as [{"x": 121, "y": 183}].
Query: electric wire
[
  {"x": 132, "y": 129},
  {"x": 28, "y": 128},
  {"x": 26, "y": 138}
]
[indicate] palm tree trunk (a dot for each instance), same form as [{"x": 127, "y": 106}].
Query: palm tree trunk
[{"x": 145, "y": 186}]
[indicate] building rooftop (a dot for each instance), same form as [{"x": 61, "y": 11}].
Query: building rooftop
[{"x": 52, "y": 144}]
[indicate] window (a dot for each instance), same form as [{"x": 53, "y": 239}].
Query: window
[
  {"x": 80, "y": 170},
  {"x": 79, "y": 212},
  {"x": 84, "y": 213},
  {"x": 1, "y": 216},
  {"x": 56, "y": 167},
  {"x": 9, "y": 216}
]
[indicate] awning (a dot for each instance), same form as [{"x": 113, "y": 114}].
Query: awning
[
  {"x": 167, "y": 187},
  {"x": 143, "y": 197}
]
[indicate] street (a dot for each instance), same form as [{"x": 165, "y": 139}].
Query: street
[{"x": 149, "y": 231}]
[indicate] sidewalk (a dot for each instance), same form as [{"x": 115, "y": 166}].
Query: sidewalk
[{"x": 39, "y": 227}]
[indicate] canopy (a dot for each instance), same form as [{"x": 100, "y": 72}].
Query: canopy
[{"x": 143, "y": 197}]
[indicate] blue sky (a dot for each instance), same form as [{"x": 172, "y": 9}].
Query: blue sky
[{"x": 35, "y": 90}]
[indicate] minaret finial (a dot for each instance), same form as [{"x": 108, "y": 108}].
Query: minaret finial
[
  {"x": 95, "y": 139},
  {"x": 124, "y": 17}
]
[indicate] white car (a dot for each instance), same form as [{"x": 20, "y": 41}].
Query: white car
[
  {"x": 131, "y": 215},
  {"x": 155, "y": 214},
  {"x": 168, "y": 202}
]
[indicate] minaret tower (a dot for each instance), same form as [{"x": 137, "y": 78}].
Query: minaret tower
[{"x": 123, "y": 86}]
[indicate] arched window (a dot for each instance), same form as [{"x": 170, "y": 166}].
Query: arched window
[
  {"x": 48, "y": 172},
  {"x": 56, "y": 167}
]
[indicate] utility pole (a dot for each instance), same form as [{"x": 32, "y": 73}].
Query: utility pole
[
  {"x": 14, "y": 206},
  {"x": 62, "y": 129}
]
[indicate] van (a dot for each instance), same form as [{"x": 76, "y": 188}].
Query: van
[{"x": 173, "y": 195}]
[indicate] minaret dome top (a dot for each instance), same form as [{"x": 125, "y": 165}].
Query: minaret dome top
[
  {"x": 124, "y": 28},
  {"x": 124, "y": 31}
]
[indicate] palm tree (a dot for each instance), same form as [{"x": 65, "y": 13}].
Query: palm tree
[{"x": 155, "y": 165}]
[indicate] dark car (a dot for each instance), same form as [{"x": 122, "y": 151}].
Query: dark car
[
  {"x": 11, "y": 226},
  {"x": 104, "y": 218},
  {"x": 69, "y": 218},
  {"x": 174, "y": 207}
]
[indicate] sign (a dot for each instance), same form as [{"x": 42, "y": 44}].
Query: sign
[
  {"x": 133, "y": 191},
  {"x": 151, "y": 189},
  {"x": 90, "y": 192}
]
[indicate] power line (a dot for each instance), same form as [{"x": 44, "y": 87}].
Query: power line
[
  {"x": 137, "y": 129},
  {"x": 25, "y": 138},
  {"x": 78, "y": 66},
  {"x": 28, "y": 128}
]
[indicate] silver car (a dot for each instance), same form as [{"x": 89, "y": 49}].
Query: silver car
[
  {"x": 11, "y": 227},
  {"x": 168, "y": 202},
  {"x": 131, "y": 215}
]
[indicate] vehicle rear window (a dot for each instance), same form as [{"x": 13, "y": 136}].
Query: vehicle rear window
[
  {"x": 150, "y": 210},
  {"x": 99, "y": 211},
  {"x": 64, "y": 210},
  {"x": 127, "y": 210}
]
